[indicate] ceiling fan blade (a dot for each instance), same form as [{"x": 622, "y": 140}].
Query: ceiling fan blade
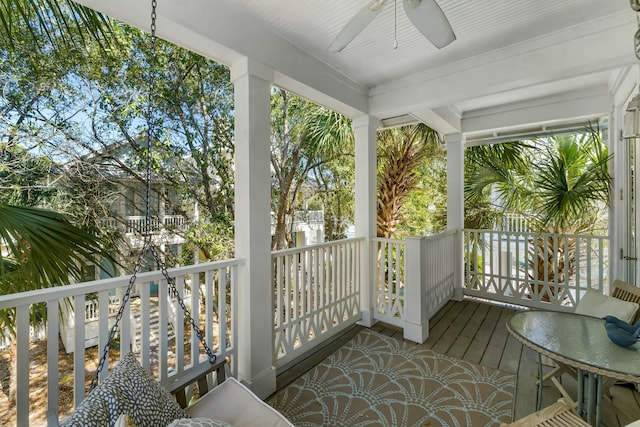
[
  {"x": 358, "y": 23},
  {"x": 430, "y": 20}
]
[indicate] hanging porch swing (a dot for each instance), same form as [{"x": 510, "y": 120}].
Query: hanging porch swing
[{"x": 129, "y": 395}]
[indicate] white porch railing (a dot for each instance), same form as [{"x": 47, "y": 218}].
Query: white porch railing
[
  {"x": 428, "y": 262},
  {"x": 316, "y": 294},
  {"x": 212, "y": 299},
  {"x": 542, "y": 270},
  {"x": 389, "y": 293}
]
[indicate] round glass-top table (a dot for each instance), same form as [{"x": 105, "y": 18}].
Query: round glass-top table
[{"x": 580, "y": 342}]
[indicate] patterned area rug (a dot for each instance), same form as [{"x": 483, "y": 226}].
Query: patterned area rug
[{"x": 376, "y": 380}]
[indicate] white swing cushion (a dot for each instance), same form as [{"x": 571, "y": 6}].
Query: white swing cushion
[
  {"x": 128, "y": 389},
  {"x": 235, "y": 404}
]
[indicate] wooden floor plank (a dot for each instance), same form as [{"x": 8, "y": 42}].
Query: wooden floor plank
[
  {"x": 526, "y": 388},
  {"x": 495, "y": 349},
  {"x": 442, "y": 312},
  {"x": 446, "y": 341},
  {"x": 510, "y": 360},
  {"x": 468, "y": 333},
  {"x": 481, "y": 339},
  {"x": 440, "y": 327}
]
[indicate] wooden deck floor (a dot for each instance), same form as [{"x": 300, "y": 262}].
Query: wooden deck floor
[{"x": 476, "y": 332}]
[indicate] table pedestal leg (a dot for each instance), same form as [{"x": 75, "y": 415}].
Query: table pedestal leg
[
  {"x": 598, "y": 397},
  {"x": 581, "y": 410},
  {"x": 589, "y": 396},
  {"x": 540, "y": 385}
]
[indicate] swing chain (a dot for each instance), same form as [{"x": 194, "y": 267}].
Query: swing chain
[
  {"x": 147, "y": 234},
  {"x": 114, "y": 328}
]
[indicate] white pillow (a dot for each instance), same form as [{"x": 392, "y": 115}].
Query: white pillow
[{"x": 598, "y": 305}]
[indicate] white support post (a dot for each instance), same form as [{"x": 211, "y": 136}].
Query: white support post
[
  {"x": 416, "y": 324},
  {"x": 455, "y": 202},
  {"x": 365, "y": 208},
  {"x": 252, "y": 84}
]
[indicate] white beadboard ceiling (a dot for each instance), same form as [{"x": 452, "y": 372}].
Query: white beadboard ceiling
[
  {"x": 480, "y": 26},
  {"x": 507, "y": 54}
]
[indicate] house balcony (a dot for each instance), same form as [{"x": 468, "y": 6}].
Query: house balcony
[
  {"x": 419, "y": 291},
  {"x": 135, "y": 224}
]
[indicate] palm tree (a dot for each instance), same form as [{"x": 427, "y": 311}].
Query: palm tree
[
  {"x": 38, "y": 249},
  {"x": 561, "y": 184},
  {"x": 401, "y": 151}
]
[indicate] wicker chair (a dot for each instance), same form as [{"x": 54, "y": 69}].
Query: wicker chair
[
  {"x": 627, "y": 292},
  {"x": 560, "y": 414}
]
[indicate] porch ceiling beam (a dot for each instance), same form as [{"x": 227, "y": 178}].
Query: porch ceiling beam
[
  {"x": 445, "y": 120},
  {"x": 548, "y": 110},
  {"x": 576, "y": 51},
  {"x": 215, "y": 29}
]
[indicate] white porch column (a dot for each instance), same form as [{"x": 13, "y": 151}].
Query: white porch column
[
  {"x": 365, "y": 208},
  {"x": 252, "y": 83},
  {"x": 455, "y": 201}
]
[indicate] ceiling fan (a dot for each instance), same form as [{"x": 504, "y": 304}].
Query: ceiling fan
[{"x": 425, "y": 15}]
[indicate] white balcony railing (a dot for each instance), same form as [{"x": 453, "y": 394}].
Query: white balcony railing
[
  {"x": 316, "y": 294},
  {"x": 551, "y": 271},
  {"x": 135, "y": 224},
  {"x": 428, "y": 262},
  {"x": 212, "y": 300}
]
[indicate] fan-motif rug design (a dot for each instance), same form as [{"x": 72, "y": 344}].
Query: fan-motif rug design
[{"x": 376, "y": 380}]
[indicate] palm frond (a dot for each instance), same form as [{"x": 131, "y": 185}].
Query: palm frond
[
  {"x": 44, "y": 249},
  {"x": 54, "y": 24}
]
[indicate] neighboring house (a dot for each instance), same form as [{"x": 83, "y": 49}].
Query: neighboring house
[
  {"x": 125, "y": 200},
  {"x": 127, "y": 206},
  {"x": 307, "y": 227}
]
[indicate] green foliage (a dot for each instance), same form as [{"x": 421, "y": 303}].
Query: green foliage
[
  {"x": 76, "y": 91},
  {"x": 559, "y": 183},
  {"x": 43, "y": 249},
  {"x": 213, "y": 238},
  {"x": 52, "y": 24},
  {"x": 312, "y": 161},
  {"x": 425, "y": 210}
]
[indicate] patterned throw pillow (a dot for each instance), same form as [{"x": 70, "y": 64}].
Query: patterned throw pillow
[
  {"x": 198, "y": 422},
  {"x": 128, "y": 389}
]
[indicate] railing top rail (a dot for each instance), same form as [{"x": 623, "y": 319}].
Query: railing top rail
[
  {"x": 433, "y": 237},
  {"x": 385, "y": 240},
  {"x": 282, "y": 252},
  {"x": 473, "y": 230},
  {"x": 70, "y": 290}
]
